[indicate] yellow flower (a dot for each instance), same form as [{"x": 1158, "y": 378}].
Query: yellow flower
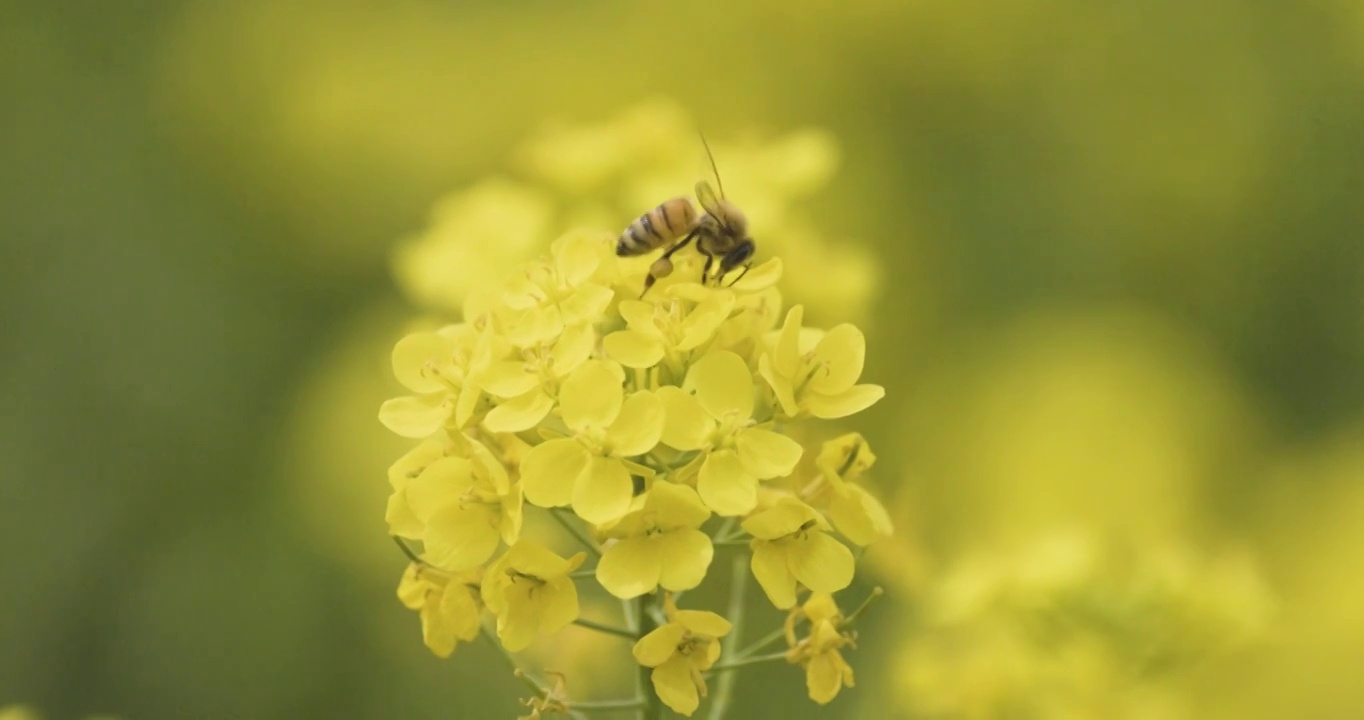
[
  {"x": 659, "y": 544},
  {"x": 679, "y": 652},
  {"x": 528, "y": 387},
  {"x": 713, "y": 412},
  {"x": 448, "y": 604},
  {"x": 819, "y": 380},
  {"x": 437, "y": 366},
  {"x": 791, "y": 545},
  {"x": 826, "y": 672},
  {"x": 854, "y": 511},
  {"x": 589, "y": 470},
  {"x": 658, "y": 332},
  {"x": 549, "y": 295},
  {"x": 531, "y": 593},
  {"x": 459, "y": 508}
]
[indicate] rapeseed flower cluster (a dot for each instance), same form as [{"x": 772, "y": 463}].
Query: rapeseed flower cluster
[
  {"x": 659, "y": 432},
  {"x": 1072, "y": 626}
]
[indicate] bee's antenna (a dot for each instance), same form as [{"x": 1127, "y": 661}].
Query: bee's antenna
[{"x": 713, "y": 169}]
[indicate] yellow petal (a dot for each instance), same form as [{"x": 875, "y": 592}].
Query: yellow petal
[
  {"x": 781, "y": 385},
  {"x": 687, "y": 425},
  {"x": 770, "y": 568},
  {"x": 655, "y": 648},
  {"x": 419, "y": 360},
  {"x": 676, "y": 506},
  {"x": 458, "y": 538},
  {"x": 859, "y": 515},
  {"x": 702, "y": 322},
  {"x": 854, "y": 400},
  {"x": 412, "y": 588},
  {"x": 400, "y": 518},
  {"x": 637, "y": 428},
  {"x": 686, "y": 555},
  {"x": 414, "y": 461},
  {"x": 465, "y": 403},
  {"x": 440, "y": 484},
  {"x": 673, "y": 682},
  {"x": 459, "y": 611},
  {"x": 587, "y": 304},
  {"x": 507, "y": 379},
  {"x": 576, "y": 257},
  {"x": 630, "y": 567},
  {"x": 633, "y": 349},
  {"x": 786, "y": 356},
  {"x": 415, "y": 416},
  {"x": 766, "y": 454},
  {"x": 591, "y": 397},
  {"x": 602, "y": 491},
  {"x": 550, "y": 469},
  {"x": 780, "y": 520},
  {"x": 842, "y": 351},
  {"x": 723, "y": 384},
  {"x": 821, "y": 563},
  {"x": 521, "y": 413},
  {"x": 519, "y": 621},
  {"x": 536, "y": 559},
  {"x": 725, "y": 486},
  {"x": 703, "y": 622},
  {"x": 572, "y": 349},
  {"x": 558, "y": 605},
  {"x": 639, "y": 316},
  {"x": 760, "y": 278},
  {"x": 824, "y": 676}
]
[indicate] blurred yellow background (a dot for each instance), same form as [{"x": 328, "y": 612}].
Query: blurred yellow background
[{"x": 1107, "y": 256}]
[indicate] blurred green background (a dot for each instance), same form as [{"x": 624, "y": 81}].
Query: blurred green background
[{"x": 1122, "y": 291}]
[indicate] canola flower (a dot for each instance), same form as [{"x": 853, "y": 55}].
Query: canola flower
[
  {"x": 659, "y": 431},
  {"x": 1072, "y": 626}
]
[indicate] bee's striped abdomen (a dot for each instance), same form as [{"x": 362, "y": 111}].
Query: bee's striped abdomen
[{"x": 658, "y": 227}]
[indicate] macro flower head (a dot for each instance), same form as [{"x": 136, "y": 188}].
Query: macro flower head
[{"x": 655, "y": 426}]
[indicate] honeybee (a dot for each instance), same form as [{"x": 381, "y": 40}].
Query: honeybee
[{"x": 720, "y": 232}]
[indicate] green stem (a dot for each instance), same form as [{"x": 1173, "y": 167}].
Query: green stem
[
  {"x": 604, "y": 628},
  {"x": 607, "y": 705},
  {"x": 744, "y": 662},
  {"x": 738, "y": 588},
  {"x": 653, "y": 706},
  {"x": 575, "y": 531},
  {"x": 876, "y": 592},
  {"x": 762, "y": 642}
]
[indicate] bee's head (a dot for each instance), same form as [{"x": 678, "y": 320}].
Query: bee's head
[{"x": 738, "y": 256}]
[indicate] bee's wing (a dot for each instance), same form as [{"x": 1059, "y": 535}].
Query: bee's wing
[{"x": 709, "y": 201}]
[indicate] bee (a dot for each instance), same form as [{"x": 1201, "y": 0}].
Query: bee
[{"x": 721, "y": 233}]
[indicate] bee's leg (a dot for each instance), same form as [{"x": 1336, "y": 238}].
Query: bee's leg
[
  {"x": 747, "y": 267},
  {"x": 705, "y": 271},
  {"x": 650, "y": 279}
]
